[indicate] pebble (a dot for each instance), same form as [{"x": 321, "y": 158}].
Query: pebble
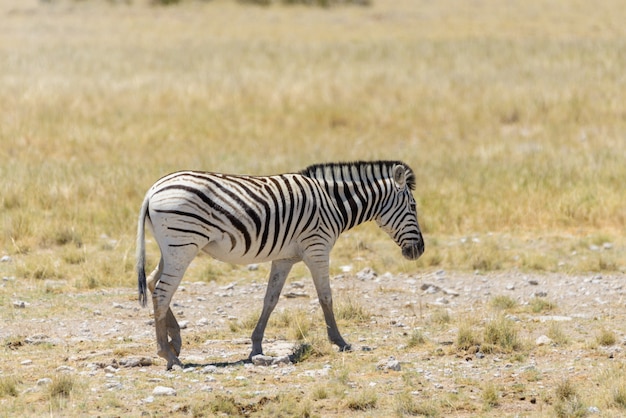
[
  {"x": 366, "y": 274},
  {"x": 209, "y": 369},
  {"x": 5, "y": 259},
  {"x": 163, "y": 391},
  {"x": 203, "y": 322},
  {"x": 390, "y": 364}
]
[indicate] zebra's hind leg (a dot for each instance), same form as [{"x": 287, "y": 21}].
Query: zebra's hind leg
[
  {"x": 174, "y": 264},
  {"x": 278, "y": 275},
  {"x": 173, "y": 329},
  {"x": 320, "y": 271}
]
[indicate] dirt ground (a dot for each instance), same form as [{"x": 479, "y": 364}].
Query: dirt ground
[{"x": 106, "y": 341}]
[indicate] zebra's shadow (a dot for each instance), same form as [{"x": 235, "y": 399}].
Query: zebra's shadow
[
  {"x": 300, "y": 354},
  {"x": 219, "y": 364}
]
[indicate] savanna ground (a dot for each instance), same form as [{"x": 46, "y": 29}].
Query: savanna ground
[{"x": 513, "y": 115}]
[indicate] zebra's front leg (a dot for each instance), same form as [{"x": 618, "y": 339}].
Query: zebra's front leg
[
  {"x": 278, "y": 274},
  {"x": 320, "y": 271}
]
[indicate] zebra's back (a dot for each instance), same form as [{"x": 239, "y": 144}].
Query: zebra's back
[{"x": 239, "y": 219}]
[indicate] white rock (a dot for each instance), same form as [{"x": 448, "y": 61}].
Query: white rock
[
  {"x": 556, "y": 318},
  {"x": 44, "y": 381},
  {"x": 26, "y": 362},
  {"x": 202, "y": 322},
  {"x": 110, "y": 369},
  {"x": 5, "y": 259},
  {"x": 543, "y": 340},
  {"x": 281, "y": 360},
  {"x": 261, "y": 360},
  {"x": 163, "y": 391}
]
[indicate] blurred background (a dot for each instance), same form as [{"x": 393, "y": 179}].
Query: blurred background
[{"x": 511, "y": 113}]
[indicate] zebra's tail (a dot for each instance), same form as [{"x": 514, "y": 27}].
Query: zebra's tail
[{"x": 141, "y": 253}]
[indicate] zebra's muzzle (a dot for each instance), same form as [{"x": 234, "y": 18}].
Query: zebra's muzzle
[{"x": 414, "y": 250}]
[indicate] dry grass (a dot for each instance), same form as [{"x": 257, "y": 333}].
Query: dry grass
[
  {"x": 512, "y": 114},
  {"x": 513, "y": 123}
]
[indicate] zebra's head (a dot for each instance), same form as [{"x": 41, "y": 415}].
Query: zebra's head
[{"x": 398, "y": 215}]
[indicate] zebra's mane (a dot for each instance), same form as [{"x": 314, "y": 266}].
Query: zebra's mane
[{"x": 335, "y": 169}]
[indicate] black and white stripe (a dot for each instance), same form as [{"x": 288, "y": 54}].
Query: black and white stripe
[{"x": 283, "y": 218}]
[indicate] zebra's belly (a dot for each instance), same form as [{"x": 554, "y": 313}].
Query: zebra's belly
[{"x": 221, "y": 250}]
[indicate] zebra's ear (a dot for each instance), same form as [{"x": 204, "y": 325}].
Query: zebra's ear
[{"x": 399, "y": 176}]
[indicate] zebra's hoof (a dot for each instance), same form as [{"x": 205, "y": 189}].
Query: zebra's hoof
[
  {"x": 173, "y": 362},
  {"x": 345, "y": 347}
]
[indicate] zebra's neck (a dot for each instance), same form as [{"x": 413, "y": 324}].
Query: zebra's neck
[{"x": 357, "y": 189}]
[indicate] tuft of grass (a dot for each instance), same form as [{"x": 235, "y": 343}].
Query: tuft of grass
[
  {"x": 363, "y": 400},
  {"x": 490, "y": 396},
  {"x": 467, "y": 337},
  {"x": 502, "y": 333},
  {"x": 568, "y": 403},
  {"x": 539, "y": 305},
  {"x": 416, "y": 339},
  {"x": 8, "y": 386},
  {"x": 557, "y": 335},
  {"x": 350, "y": 310},
  {"x": 319, "y": 392},
  {"x": 62, "y": 386},
  {"x": 405, "y": 404},
  {"x": 440, "y": 317},
  {"x": 502, "y": 302},
  {"x": 606, "y": 338},
  {"x": 618, "y": 395}
]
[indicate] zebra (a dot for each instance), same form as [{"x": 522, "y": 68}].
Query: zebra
[{"x": 284, "y": 219}]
